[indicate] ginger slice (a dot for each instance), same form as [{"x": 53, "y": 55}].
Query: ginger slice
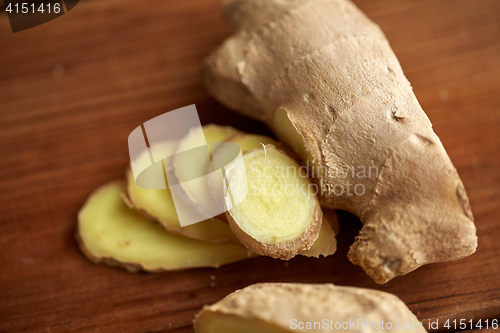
[
  {"x": 292, "y": 307},
  {"x": 109, "y": 232},
  {"x": 249, "y": 141},
  {"x": 280, "y": 215},
  {"x": 224, "y": 154},
  {"x": 326, "y": 243}
]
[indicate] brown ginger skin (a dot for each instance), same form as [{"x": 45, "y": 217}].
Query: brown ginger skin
[
  {"x": 274, "y": 307},
  {"x": 331, "y": 71}
]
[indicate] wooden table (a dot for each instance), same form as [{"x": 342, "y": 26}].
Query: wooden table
[{"x": 72, "y": 90}]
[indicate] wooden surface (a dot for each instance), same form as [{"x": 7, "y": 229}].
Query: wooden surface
[{"x": 73, "y": 89}]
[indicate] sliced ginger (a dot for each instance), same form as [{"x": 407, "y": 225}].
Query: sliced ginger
[
  {"x": 280, "y": 216},
  {"x": 226, "y": 153},
  {"x": 294, "y": 307},
  {"x": 109, "y": 232},
  {"x": 159, "y": 205},
  {"x": 326, "y": 243}
]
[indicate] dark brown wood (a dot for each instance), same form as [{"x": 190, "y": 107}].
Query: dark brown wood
[{"x": 72, "y": 90}]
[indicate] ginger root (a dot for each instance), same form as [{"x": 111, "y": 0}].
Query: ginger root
[
  {"x": 323, "y": 77},
  {"x": 294, "y": 307},
  {"x": 109, "y": 232}
]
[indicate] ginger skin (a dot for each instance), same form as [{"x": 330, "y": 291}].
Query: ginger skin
[{"x": 279, "y": 307}]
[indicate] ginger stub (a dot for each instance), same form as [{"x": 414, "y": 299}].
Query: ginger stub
[
  {"x": 295, "y": 307},
  {"x": 110, "y": 232}
]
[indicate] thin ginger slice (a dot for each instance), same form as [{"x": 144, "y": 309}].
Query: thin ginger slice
[
  {"x": 159, "y": 206},
  {"x": 109, "y": 232},
  {"x": 326, "y": 243},
  {"x": 224, "y": 154},
  {"x": 280, "y": 216}
]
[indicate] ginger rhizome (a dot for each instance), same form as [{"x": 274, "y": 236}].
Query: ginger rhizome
[{"x": 323, "y": 77}]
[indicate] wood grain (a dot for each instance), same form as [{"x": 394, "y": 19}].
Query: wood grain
[{"x": 72, "y": 90}]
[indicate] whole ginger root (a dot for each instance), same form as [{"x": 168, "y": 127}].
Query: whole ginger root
[{"x": 323, "y": 77}]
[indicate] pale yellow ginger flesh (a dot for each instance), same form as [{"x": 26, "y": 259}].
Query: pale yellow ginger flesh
[
  {"x": 223, "y": 154},
  {"x": 280, "y": 215},
  {"x": 326, "y": 243},
  {"x": 158, "y": 204},
  {"x": 250, "y": 141},
  {"x": 294, "y": 307},
  {"x": 323, "y": 77},
  {"x": 110, "y": 232}
]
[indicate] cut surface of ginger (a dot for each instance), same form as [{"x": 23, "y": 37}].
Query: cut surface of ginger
[
  {"x": 326, "y": 243},
  {"x": 225, "y": 153},
  {"x": 280, "y": 207},
  {"x": 110, "y": 232}
]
